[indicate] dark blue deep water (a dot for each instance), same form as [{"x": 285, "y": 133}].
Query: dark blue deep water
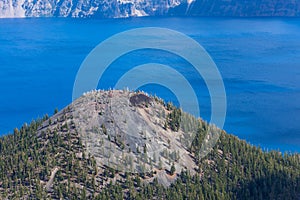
[{"x": 258, "y": 58}]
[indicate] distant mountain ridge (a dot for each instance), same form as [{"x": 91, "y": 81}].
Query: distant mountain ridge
[{"x": 137, "y": 8}]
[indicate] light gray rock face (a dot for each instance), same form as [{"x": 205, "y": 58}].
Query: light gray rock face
[
  {"x": 127, "y": 131},
  {"x": 130, "y": 132},
  {"x": 136, "y": 8},
  {"x": 124, "y": 130},
  {"x": 85, "y": 8},
  {"x": 12, "y": 8}
]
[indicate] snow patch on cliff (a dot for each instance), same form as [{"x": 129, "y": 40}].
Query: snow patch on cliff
[{"x": 11, "y": 9}]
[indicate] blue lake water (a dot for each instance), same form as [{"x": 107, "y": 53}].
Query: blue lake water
[{"x": 258, "y": 58}]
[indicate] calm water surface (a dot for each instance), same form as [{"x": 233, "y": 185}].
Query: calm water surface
[{"x": 258, "y": 58}]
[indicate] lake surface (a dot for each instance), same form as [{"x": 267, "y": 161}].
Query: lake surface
[{"x": 258, "y": 58}]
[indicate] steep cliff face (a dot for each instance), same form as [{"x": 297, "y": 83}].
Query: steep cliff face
[
  {"x": 130, "y": 8},
  {"x": 12, "y": 8},
  {"x": 85, "y": 8},
  {"x": 241, "y": 8}
]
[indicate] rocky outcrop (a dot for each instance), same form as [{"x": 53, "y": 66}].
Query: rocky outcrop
[
  {"x": 85, "y": 8},
  {"x": 125, "y": 131},
  {"x": 239, "y": 8},
  {"x": 136, "y": 8}
]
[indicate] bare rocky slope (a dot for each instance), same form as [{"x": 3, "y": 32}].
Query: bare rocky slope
[
  {"x": 126, "y": 131},
  {"x": 133, "y": 8},
  {"x": 119, "y": 144}
]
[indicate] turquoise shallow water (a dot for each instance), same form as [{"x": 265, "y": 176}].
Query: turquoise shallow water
[{"x": 258, "y": 58}]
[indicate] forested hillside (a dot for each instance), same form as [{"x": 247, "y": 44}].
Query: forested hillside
[{"x": 49, "y": 159}]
